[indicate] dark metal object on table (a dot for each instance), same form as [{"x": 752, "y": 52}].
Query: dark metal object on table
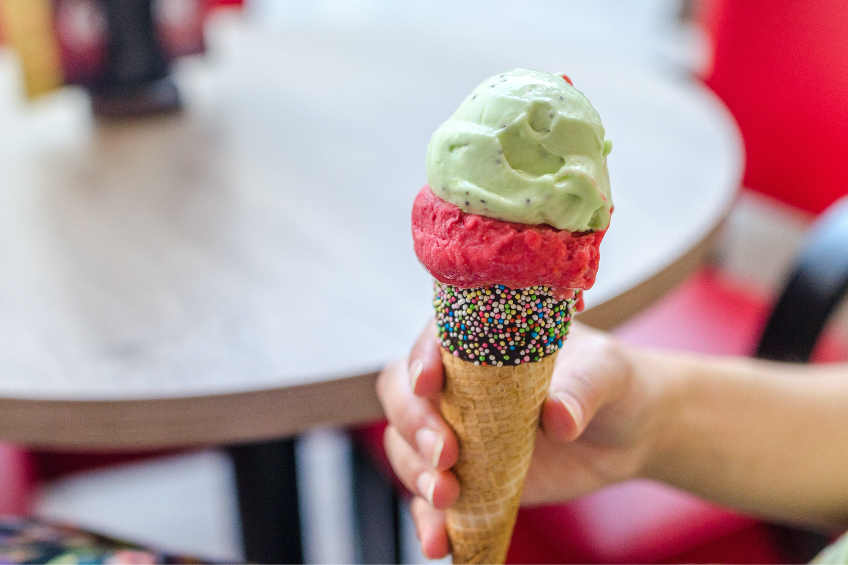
[
  {"x": 137, "y": 80},
  {"x": 266, "y": 478},
  {"x": 159, "y": 97}
]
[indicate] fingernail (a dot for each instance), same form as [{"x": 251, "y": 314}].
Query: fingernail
[
  {"x": 415, "y": 369},
  {"x": 430, "y": 442},
  {"x": 570, "y": 407},
  {"x": 426, "y": 484},
  {"x": 437, "y": 450}
]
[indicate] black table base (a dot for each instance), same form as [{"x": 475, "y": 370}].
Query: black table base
[{"x": 266, "y": 477}]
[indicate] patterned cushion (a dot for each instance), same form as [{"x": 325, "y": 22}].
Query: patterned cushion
[{"x": 32, "y": 540}]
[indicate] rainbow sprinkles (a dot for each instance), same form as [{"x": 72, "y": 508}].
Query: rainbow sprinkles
[{"x": 496, "y": 325}]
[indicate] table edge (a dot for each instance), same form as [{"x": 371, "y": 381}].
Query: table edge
[
  {"x": 121, "y": 425},
  {"x": 621, "y": 308}
]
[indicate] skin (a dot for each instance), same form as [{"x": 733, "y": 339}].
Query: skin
[{"x": 766, "y": 438}]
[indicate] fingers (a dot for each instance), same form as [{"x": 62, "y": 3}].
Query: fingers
[
  {"x": 426, "y": 373},
  {"x": 421, "y": 447},
  {"x": 416, "y": 418},
  {"x": 439, "y": 488},
  {"x": 430, "y": 526}
]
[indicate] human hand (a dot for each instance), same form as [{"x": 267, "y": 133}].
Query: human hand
[{"x": 596, "y": 428}]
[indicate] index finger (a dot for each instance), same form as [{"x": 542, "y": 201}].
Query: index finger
[
  {"x": 417, "y": 417},
  {"x": 426, "y": 372}
]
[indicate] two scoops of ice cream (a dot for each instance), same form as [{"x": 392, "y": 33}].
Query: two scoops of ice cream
[{"x": 510, "y": 226}]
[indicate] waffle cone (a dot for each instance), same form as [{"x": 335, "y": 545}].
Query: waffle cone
[{"x": 494, "y": 412}]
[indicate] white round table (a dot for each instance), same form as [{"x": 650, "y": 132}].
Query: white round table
[{"x": 240, "y": 272}]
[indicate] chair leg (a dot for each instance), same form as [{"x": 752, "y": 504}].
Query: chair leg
[
  {"x": 266, "y": 479},
  {"x": 377, "y": 511}
]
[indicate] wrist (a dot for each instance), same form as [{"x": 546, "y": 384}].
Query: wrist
[{"x": 663, "y": 387}]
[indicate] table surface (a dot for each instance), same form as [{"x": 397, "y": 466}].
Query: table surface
[{"x": 241, "y": 271}]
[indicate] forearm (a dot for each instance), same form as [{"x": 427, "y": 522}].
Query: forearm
[{"x": 763, "y": 437}]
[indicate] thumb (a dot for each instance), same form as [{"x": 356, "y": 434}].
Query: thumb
[
  {"x": 564, "y": 413},
  {"x": 581, "y": 385}
]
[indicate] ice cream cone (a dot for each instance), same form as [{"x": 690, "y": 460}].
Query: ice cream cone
[
  {"x": 494, "y": 412},
  {"x": 509, "y": 225},
  {"x": 498, "y": 349}
]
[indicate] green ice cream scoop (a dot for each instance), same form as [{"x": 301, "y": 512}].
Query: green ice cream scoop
[{"x": 524, "y": 147}]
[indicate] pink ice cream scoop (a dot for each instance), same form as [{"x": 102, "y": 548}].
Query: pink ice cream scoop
[{"x": 468, "y": 251}]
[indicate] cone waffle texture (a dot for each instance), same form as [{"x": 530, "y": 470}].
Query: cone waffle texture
[{"x": 494, "y": 412}]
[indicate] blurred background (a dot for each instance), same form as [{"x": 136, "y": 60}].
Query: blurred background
[{"x": 69, "y": 65}]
